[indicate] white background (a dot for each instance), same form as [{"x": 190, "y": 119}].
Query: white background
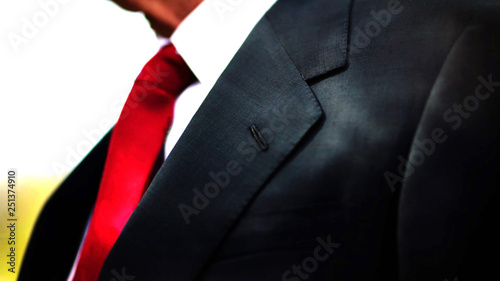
[{"x": 64, "y": 88}]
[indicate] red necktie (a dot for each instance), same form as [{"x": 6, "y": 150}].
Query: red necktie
[{"x": 136, "y": 141}]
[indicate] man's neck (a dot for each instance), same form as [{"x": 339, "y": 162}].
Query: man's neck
[{"x": 163, "y": 15}]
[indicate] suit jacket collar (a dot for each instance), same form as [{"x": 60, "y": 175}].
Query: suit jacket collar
[
  {"x": 313, "y": 33},
  {"x": 257, "y": 113}
]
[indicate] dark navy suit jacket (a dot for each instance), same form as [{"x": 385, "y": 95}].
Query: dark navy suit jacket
[{"x": 346, "y": 140}]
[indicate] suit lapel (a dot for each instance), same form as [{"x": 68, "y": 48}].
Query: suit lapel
[
  {"x": 314, "y": 33},
  {"x": 256, "y": 114},
  {"x": 66, "y": 212}
]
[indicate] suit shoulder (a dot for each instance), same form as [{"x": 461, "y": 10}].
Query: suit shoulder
[{"x": 483, "y": 10}]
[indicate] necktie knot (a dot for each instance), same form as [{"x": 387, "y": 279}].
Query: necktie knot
[{"x": 168, "y": 71}]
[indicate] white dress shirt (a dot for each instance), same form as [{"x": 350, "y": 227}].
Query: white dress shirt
[{"x": 207, "y": 40}]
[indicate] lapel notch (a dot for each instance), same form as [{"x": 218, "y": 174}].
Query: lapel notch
[{"x": 314, "y": 33}]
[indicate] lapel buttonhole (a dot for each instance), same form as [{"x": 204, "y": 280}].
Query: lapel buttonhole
[{"x": 259, "y": 138}]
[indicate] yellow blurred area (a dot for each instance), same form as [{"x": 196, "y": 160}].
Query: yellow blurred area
[{"x": 31, "y": 194}]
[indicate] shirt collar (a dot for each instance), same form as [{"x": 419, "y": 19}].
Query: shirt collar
[{"x": 210, "y": 36}]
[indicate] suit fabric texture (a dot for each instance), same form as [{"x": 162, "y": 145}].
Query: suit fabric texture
[{"x": 346, "y": 140}]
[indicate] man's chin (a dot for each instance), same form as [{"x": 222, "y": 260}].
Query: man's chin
[
  {"x": 161, "y": 30},
  {"x": 127, "y": 5}
]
